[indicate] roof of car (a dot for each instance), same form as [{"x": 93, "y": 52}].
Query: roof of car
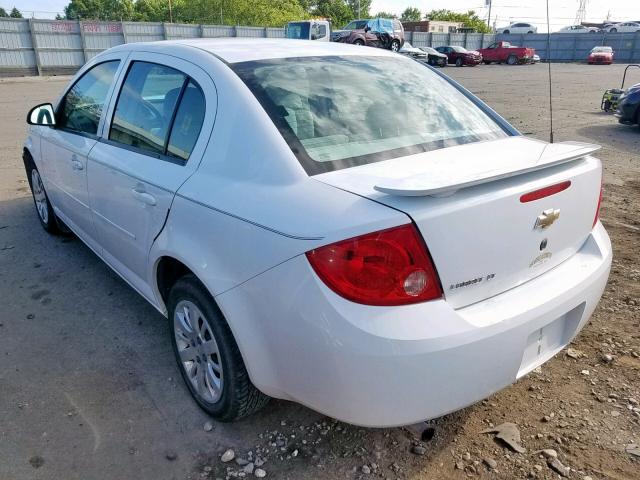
[{"x": 234, "y": 50}]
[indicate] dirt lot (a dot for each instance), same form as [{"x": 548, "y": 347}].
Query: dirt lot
[{"x": 89, "y": 388}]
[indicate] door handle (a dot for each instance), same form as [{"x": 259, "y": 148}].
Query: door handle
[
  {"x": 76, "y": 164},
  {"x": 143, "y": 196}
]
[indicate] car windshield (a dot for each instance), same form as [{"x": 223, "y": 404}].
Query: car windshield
[
  {"x": 341, "y": 111},
  {"x": 601, "y": 50},
  {"x": 460, "y": 49},
  {"x": 356, "y": 25},
  {"x": 298, "y": 31}
]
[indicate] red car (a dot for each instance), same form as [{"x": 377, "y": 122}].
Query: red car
[
  {"x": 501, "y": 52},
  {"x": 461, "y": 56},
  {"x": 600, "y": 55}
]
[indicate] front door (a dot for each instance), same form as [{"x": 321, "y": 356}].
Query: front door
[
  {"x": 67, "y": 146},
  {"x": 158, "y": 129}
]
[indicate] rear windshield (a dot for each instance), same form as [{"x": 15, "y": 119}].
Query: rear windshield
[{"x": 341, "y": 111}]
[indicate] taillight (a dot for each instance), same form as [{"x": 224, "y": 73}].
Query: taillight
[
  {"x": 595, "y": 220},
  {"x": 389, "y": 267}
]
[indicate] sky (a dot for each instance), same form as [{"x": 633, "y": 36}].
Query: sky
[{"x": 562, "y": 12}]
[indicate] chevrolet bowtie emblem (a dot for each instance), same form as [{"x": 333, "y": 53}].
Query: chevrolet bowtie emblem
[{"x": 547, "y": 218}]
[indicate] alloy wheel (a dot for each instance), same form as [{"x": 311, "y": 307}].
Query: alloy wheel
[
  {"x": 198, "y": 350},
  {"x": 39, "y": 196}
]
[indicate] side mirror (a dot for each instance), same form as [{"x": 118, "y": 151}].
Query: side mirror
[
  {"x": 367, "y": 29},
  {"x": 42, "y": 115}
]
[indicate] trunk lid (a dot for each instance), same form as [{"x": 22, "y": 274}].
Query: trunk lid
[{"x": 466, "y": 202}]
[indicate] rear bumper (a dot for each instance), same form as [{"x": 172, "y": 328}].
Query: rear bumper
[{"x": 385, "y": 366}]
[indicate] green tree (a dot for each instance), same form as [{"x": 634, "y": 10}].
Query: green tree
[
  {"x": 411, "y": 14},
  {"x": 365, "y": 6},
  {"x": 384, "y": 14},
  {"x": 3, "y": 13},
  {"x": 100, "y": 10},
  {"x": 469, "y": 19},
  {"x": 15, "y": 13},
  {"x": 336, "y": 10}
]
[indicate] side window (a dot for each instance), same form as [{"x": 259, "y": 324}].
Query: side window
[
  {"x": 322, "y": 31},
  {"x": 187, "y": 123},
  {"x": 81, "y": 108},
  {"x": 145, "y": 106}
]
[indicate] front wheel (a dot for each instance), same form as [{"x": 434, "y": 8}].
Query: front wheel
[
  {"x": 395, "y": 46},
  {"x": 613, "y": 30},
  {"x": 208, "y": 355},
  {"x": 506, "y": 32},
  {"x": 459, "y": 62},
  {"x": 512, "y": 60},
  {"x": 45, "y": 211},
  {"x": 358, "y": 42}
]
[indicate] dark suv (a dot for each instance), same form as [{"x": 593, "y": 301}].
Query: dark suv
[{"x": 373, "y": 32}]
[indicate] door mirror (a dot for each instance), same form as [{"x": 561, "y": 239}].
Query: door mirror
[
  {"x": 367, "y": 29},
  {"x": 42, "y": 115}
]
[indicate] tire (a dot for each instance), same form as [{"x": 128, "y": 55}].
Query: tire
[
  {"x": 512, "y": 60},
  {"x": 394, "y": 46},
  {"x": 486, "y": 62},
  {"x": 220, "y": 384},
  {"x": 506, "y": 32},
  {"x": 529, "y": 32},
  {"x": 613, "y": 30},
  {"x": 358, "y": 42},
  {"x": 46, "y": 215},
  {"x": 459, "y": 62}
]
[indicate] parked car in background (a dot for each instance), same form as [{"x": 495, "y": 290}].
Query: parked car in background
[
  {"x": 309, "y": 30},
  {"x": 600, "y": 55},
  {"x": 625, "y": 27},
  {"x": 383, "y": 248},
  {"x": 460, "y": 56},
  {"x": 535, "y": 59},
  {"x": 435, "y": 58},
  {"x": 628, "y": 110},
  {"x": 577, "y": 29},
  {"x": 519, "y": 27},
  {"x": 374, "y": 32},
  {"x": 504, "y": 52},
  {"x": 410, "y": 50}
]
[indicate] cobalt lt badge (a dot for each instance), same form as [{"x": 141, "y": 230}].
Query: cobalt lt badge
[{"x": 546, "y": 219}]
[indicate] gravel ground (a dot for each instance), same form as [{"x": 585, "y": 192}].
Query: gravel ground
[{"x": 90, "y": 390}]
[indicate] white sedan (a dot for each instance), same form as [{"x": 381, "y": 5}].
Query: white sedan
[
  {"x": 577, "y": 29},
  {"x": 337, "y": 226},
  {"x": 626, "y": 27},
  {"x": 517, "y": 28}
]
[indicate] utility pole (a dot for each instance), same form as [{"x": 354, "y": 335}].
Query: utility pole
[
  {"x": 581, "y": 14},
  {"x": 488, "y": 3},
  {"x": 359, "y": 9},
  {"x": 170, "y": 13}
]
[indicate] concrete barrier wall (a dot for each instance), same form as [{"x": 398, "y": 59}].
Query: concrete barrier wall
[{"x": 53, "y": 47}]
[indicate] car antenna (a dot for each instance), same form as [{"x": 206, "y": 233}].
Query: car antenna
[{"x": 549, "y": 69}]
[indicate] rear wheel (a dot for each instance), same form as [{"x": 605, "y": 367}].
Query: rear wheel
[
  {"x": 459, "y": 62},
  {"x": 207, "y": 354},
  {"x": 395, "y": 46},
  {"x": 512, "y": 60},
  {"x": 613, "y": 30},
  {"x": 530, "y": 31},
  {"x": 358, "y": 42},
  {"x": 506, "y": 32}
]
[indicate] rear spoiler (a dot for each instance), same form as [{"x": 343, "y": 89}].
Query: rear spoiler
[{"x": 446, "y": 181}]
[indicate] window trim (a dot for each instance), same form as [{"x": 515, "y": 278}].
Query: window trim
[
  {"x": 159, "y": 156},
  {"x": 107, "y": 100}
]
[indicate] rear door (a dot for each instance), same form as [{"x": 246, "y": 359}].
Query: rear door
[
  {"x": 66, "y": 147},
  {"x": 159, "y": 125}
]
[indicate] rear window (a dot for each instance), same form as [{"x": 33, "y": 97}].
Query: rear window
[{"x": 337, "y": 112}]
